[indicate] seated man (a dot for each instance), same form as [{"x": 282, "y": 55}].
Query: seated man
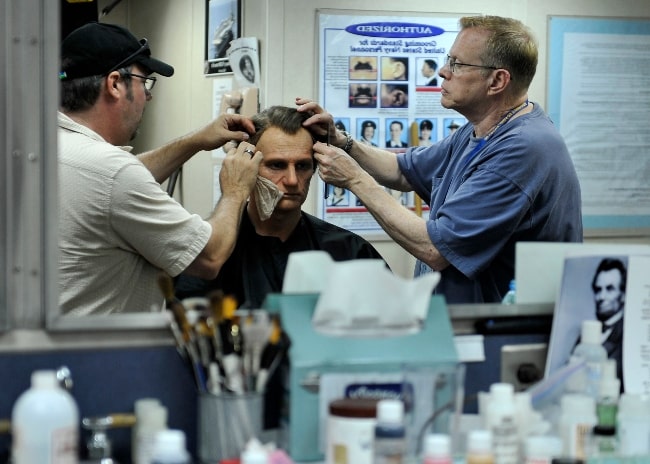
[{"x": 256, "y": 266}]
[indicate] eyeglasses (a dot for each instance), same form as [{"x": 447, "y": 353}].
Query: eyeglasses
[
  {"x": 144, "y": 46},
  {"x": 453, "y": 64},
  {"x": 148, "y": 81}
]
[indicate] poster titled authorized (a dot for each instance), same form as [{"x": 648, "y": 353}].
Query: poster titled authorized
[{"x": 378, "y": 76}]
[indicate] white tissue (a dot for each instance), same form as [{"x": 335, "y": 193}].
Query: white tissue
[
  {"x": 360, "y": 297},
  {"x": 307, "y": 272},
  {"x": 267, "y": 196}
]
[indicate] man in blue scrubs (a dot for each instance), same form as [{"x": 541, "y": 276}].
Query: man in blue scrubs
[{"x": 505, "y": 176}]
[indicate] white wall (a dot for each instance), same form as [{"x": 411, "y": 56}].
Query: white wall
[{"x": 287, "y": 33}]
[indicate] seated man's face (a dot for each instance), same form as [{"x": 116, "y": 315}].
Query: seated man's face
[{"x": 288, "y": 162}]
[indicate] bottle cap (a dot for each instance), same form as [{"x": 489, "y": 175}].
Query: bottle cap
[
  {"x": 591, "y": 331},
  {"x": 154, "y": 416},
  {"x": 44, "y": 379},
  {"x": 604, "y": 430},
  {"x": 254, "y": 453},
  {"x": 143, "y": 404},
  {"x": 354, "y": 407},
  {"x": 390, "y": 411},
  {"x": 170, "y": 440},
  {"x": 479, "y": 441},
  {"x": 437, "y": 445},
  {"x": 502, "y": 392}
]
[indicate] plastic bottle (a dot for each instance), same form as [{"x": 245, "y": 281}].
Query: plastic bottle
[
  {"x": 511, "y": 295},
  {"x": 577, "y": 419},
  {"x": 608, "y": 395},
  {"x": 501, "y": 420},
  {"x": 45, "y": 423},
  {"x": 169, "y": 448},
  {"x": 479, "y": 447},
  {"x": 592, "y": 351},
  {"x": 437, "y": 449},
  {"x": 151, "y": 418},
  {"x": 633, "y": 425},
  {"x": 390, "y": 432}
]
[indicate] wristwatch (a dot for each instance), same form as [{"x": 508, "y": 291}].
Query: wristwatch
[{"x": 348, "y": 141}]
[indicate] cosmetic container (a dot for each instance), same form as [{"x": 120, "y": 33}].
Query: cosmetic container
[
  {"x": 45, "y": 423},
  {"x": 169, "y": 448},
  {"x": 501, "y": 419},
  {"x": 592, "y": 351},
  {"x": 479, "y": 447},
  {"x": 350, "y": 430},
  {"x": 437, "y": 449},
  {"x": 390, "y": 433}
]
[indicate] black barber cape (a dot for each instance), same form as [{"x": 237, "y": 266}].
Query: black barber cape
[
  {"x": 257, "y": 264},
  {"x": 256, "y": 268}
]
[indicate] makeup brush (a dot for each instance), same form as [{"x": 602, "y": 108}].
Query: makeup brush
[{"x": 166, "y": 285}]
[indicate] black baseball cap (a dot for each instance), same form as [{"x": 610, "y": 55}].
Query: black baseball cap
[{"x": 96, "y": 49}]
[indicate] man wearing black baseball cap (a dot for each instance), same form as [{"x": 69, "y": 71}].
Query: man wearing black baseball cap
[
  {"x": 99, "y": 48},
  {"x": 118, "y": 229}
]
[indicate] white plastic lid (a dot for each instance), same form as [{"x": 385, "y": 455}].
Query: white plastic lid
[
  {"x": 153, "y": 416},
  {"x": 170, "y": 440},
  {"x": 44, "y": 379},
  {"x": 390, "y": 411},
  {"x": 479, "y": 441},
  {"x": 591, "y": 331},
  {"x": 254, "y": 453},
  {"x": 543, "y": 446},
  {"x": 143, "y": 404},
  {"x": 502, "y": 392},
  {"x": 437, "y": 445}
]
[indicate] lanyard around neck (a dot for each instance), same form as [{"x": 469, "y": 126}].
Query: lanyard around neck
[{"x": 479, "y": 146}]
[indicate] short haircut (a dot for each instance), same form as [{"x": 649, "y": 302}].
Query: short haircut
[
  {"x": 288, "y": 120},
  {"x": 432, "y": 64},
  {"x": 426, "y": 124},
  {"x": 511, "y": 45},
  {"x": 609, "y": 264}
]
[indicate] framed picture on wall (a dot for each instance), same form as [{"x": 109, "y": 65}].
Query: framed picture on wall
[{"x": 222, "y": 27}]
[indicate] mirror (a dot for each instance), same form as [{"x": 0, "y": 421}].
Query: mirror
[
  {"x": 28, "y": 129},
  {"x": 28, "y": 246},
  {"x": 123, "y": 12}
]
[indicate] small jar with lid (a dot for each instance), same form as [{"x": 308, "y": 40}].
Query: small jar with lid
[{"x": 350, "y": 431}]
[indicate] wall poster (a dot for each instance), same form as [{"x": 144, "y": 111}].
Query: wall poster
[
  {"x": 598, "y": 81},
  {"x": 222, "y": 27},
  {"x": 379, "y": 77}
]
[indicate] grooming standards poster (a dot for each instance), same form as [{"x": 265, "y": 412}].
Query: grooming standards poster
[{"x": 378, "y": 77}]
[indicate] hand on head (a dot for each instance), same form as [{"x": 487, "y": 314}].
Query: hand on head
[
  {"x": 335, "y": 166},
  {"x": 239, "y": 169},
  {"x": 223, "y": 129},
  {"x": 320, "y": 123}
]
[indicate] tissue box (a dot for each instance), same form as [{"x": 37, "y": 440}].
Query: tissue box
[{"x": 313, "y": 354}]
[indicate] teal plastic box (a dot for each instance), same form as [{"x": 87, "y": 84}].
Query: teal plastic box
[{"x": 313, "y": 354}]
